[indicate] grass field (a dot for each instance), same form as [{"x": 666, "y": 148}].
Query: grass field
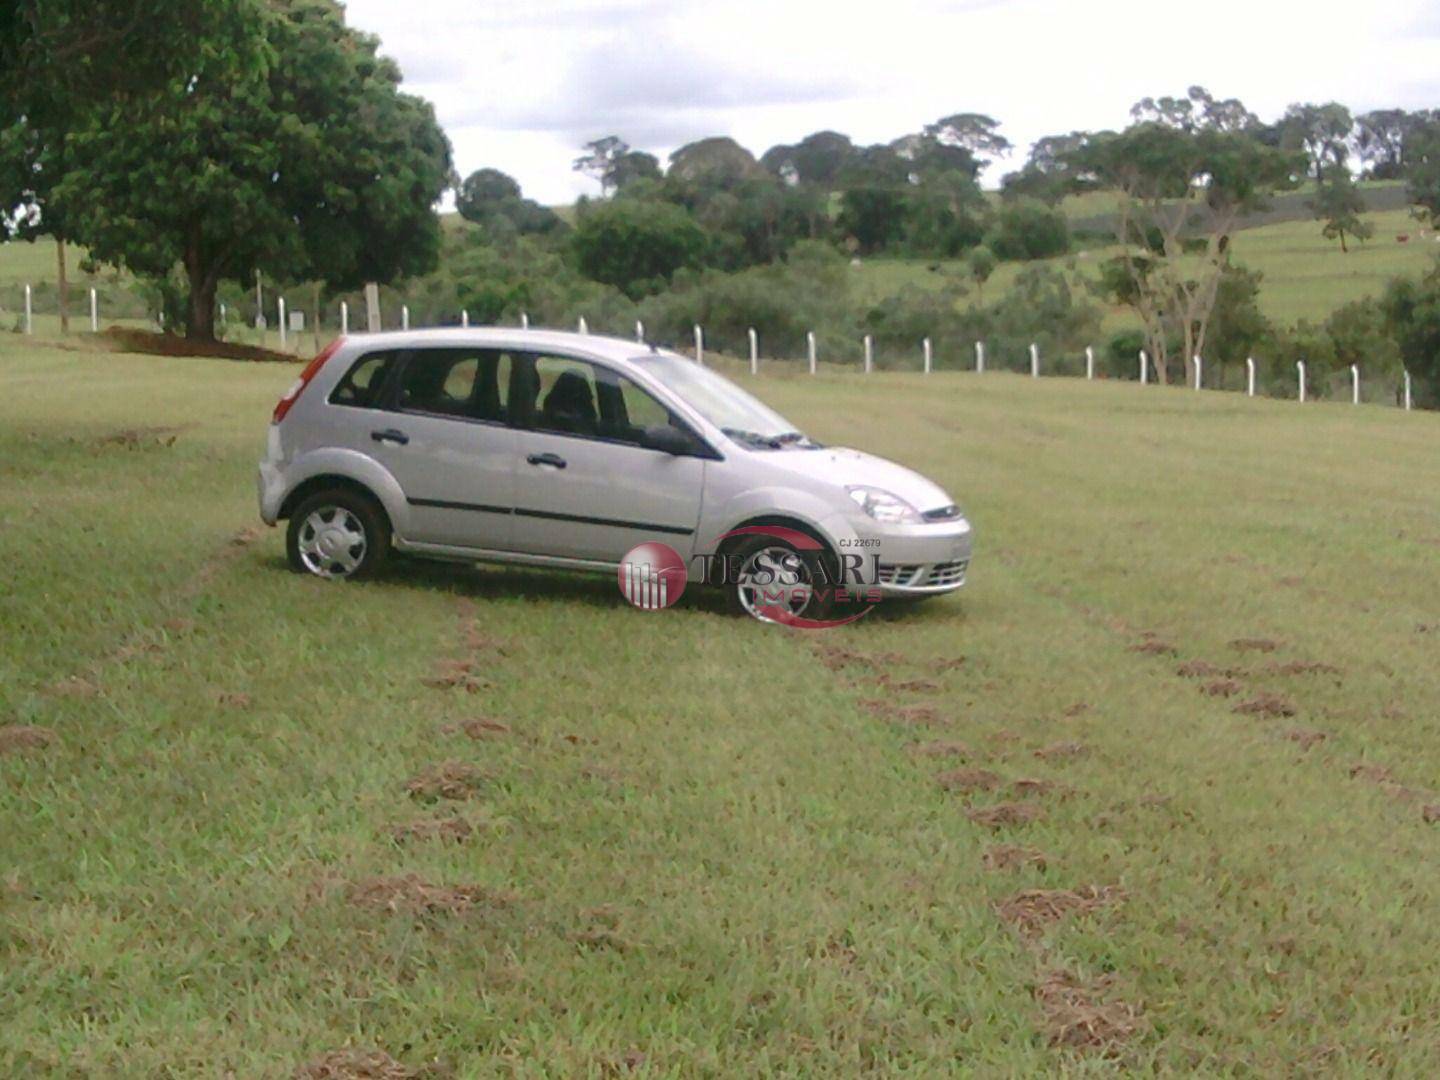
[{"x": 1153, "y": 793}]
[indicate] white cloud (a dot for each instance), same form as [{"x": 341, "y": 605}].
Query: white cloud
[{"x": 520, "y": 85}]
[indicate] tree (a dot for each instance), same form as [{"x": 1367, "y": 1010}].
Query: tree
[
  {"x": 1198, "y": 110},
  {"x": 598, "y": 161},
  {"x": 482, "y": 191},
  {"x": 1322, "y": 132},
  {"x": 817, "y": 159},
  {"x": 1050, "y": 175},
  {"x": 1027, "y": 229},
  {"x": 631, "y": 167},
  {"x": 1412, "y": 316},
  {"x": 981, "y": 263},
  {"x": 873, "y": 216},
  {"x": 1338, "y": 203},
  {"x": 974, "y": 133},
  {"x": 1422, "y": 168},
  {"x": 636, "y": 245},
  {"x": 1183, "y": 187},
  {"x": 314, "y": 168},
  {"x": 1380, "y": 137},
  {"x": 714, "y": 164}
]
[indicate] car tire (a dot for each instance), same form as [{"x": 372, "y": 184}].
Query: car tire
[
  {"x": 339, "y": 534},
  {"x": 751, "y": 555}
]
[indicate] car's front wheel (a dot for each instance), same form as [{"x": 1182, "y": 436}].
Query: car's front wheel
[
  {"x": 773, "y": 580},
  {"x": 337, "y": 533}
]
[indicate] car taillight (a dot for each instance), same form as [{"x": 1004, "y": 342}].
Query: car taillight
[{"x": 311, "y": 370}]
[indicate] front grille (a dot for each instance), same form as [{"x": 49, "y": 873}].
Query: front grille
[
  {"x": 948, "y": 573},
  {"x": 942, "y": 513},
  {"x": 896, "y": 574}
]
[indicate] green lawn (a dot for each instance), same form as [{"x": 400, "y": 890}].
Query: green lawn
[{"x": 691, "y": 845}]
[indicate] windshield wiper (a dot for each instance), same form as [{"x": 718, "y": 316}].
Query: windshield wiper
[
  {"x": 794, "y": 437},
  {"x": 754, "y": 438}
]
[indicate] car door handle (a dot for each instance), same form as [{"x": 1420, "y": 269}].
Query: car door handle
[
  {"x": 390, "y": 435},
  {"x": 546, "y": 459}
]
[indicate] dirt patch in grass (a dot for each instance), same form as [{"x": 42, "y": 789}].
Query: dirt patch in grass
[
  {"x": 1430, "y": 813},
  {"x": 600, "y": 937},
  {"x": 448, "y": 780},
  {"x": 937, "y": 748},
  {"x": 1203, "y": 669},
  {"x": 1029, "y": 785},
  {"x": 478, "y": 727},
  {"x": 907, "y": 686},
  {"x": 840, "y": 657},
  {"x": 1255, "y": 644},
  {"x": 1302, "y": 667},
  {"x": 458, "y": 674},
  {"x": 1060, "y": 750},
  {"x": 410, "y": 894},
  {"x": 1085, "y": 1016},
  {"x": 1072, "y": 711},
  {"x": 74, "y": 687},
  {"x": 1154, "y": 647},
  {"x": 453, "y": 829},
  {"x": 968, "y": 780},
  {"x": 1374, "y": 774},
  {"x": 233, "y": 699},
  {"x": 134, "y": 438},
  {"x": 1305, "y": 738},
  {"x": 1272, "y": 705},
  {"x": 1031, "y": 910},
  {"x": 1013, "y": 857},
  {"x": 907, "y": 715},
  {"x": 129, "y": 339},
  {"x": 1007, "y": 813},
  {"x": 352, "y": 1064},
  {"x": 1222, "y": 688},
  {"x": 946, "y": 663},
  {"x": 16, "y": 738}
]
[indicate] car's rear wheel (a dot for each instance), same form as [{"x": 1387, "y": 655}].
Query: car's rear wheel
[
  {"x": 337, "y": 534},
  {"x": 777, "y": 582}
]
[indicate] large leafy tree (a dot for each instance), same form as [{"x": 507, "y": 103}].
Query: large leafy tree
[
  {"x": 314, "y": 167},
  {"x": 636, "y": 244},
  {"x": 1184, "y": 182}
]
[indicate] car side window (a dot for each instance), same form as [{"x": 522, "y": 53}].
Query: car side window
[
  {"x": 576, "y": 397},
  {"x": 464, "y": 383},
  {"x": 363, "y": 383}
]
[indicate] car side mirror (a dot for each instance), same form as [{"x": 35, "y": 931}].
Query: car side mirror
[{"x": 669, "y": 440}]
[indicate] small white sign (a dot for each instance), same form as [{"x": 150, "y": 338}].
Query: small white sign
[{"x": 297, "y": 321}]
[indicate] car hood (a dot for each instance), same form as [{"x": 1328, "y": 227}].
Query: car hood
[{"x": 844, "y": 467}]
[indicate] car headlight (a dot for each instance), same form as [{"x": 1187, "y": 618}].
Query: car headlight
[{"x": 884, "y": 506}]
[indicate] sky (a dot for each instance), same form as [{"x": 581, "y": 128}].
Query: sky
[{"x": 521, "y": 85}]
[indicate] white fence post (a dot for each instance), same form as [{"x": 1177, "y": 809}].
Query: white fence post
[
  {"x": 1250, "y": 376},
  {"x": 699, "y": 345},
  {"x": 280, "y": 310},
  {"x": 980, "y": 357},
  {"x": 582, "y": 325},
  {"x": 1198, "y": 366},
  {"x": 224, "y": 319},
  {"x": 929, "y": 357},
  {"x": 1034, "y": 361},
  {"x": 869, "y": 354},
  {"x": 1089, "y": 362},
  {"x": 754, "y": 351},
  {"x": 1144, "y": 368},
  {"x": 640, "y": 331},
  {"x": 95, "y": 312},
  {"x": 29, "y": 314},
  {"x": 524, "y": 321},
  {"x": 404, "y": 316},
  {"x": 1407, "y": 391},
  {"x": 373, "y": 321},
  {"x": 1300, "y": 368},
  {"x": 1354, "y": 384},
  {"x": 810, "y": 350}
]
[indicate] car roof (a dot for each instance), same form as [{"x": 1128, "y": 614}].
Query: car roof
[{"x": 598, "y": 346}]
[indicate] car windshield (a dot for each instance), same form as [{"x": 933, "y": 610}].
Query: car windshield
[{"x": 742, "y": 417}]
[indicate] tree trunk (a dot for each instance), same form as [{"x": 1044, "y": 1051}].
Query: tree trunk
[
  {"x": 1343, "y": 249},
  {"x": 62, "y": 284},
  {"x": 203, "y": 280}
]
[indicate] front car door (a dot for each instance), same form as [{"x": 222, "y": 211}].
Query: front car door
[
  {"x": 447, "y": 440},
  {"x": 585, "y": 488}
]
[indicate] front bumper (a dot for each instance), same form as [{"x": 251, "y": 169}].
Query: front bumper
[{"x": 919, "y": 560}]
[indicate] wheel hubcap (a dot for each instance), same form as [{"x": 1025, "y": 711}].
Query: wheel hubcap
[
  {"x": 774, "y": 581},
  {"x": 332, "y": 542}
]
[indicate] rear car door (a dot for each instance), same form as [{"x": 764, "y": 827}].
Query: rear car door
[
  {"x": 446, "y": 439},
  {"x": 585, "y": 488}
]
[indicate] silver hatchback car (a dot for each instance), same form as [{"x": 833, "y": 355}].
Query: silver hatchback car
[{"x": 568, "y": 450}]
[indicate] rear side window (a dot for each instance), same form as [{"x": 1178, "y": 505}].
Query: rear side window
[
  {"x": 469, "y": 383},
  {"x": 363, "y": 383}
]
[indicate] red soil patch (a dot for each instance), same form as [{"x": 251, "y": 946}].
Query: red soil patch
[
  {"x": 941, "y": 748},
  {"x": 128, "y": 339},
  {"x": 1305, "y": 737},
  {"x": 179, "y": 625},
  {"x": 968, "y": 780},
  {"x": 1430, "y": 813},
  {"x": 1061, "y": 750},
  {"x": 458, "y": 674},
  {"x": 233, "y": 699},
  {"x": 448, "y": 780},
  {"x": 1072, "y": 711},
  {"x": 74, "y": 687},
  {"x": 456, "y": 830},
  {"x": 907, "y": 686},
  {"x": 1030, "y": 786},
  {"x": 479, "y": 727},
  {"x": 1251, "y": 644},
  {"x": 600, "y": 937},
  {"x": 133, "y": 438},
  {"x": 1222, "y": 688},
  {"x": 410, "y": 894},
  {"x": 1154, "y": 647},
  {"x": 946, "y": 663},
  {"x": 1083, "y": 1016},
  {"x": 1033, "y": 909},
  {"x": 478, "y": 641},
  {"x": 1266, "y": 705},
  {"x": 1303, "y": 667},
  {"x": 839, "y": 657},
  {"x": 17, "y": 737},
  {"x": 1375, "y": 774},
  {"x": 1013, "y": 857},
  {"x": 909, "y": 715},
  {"x": 351, "y": 1064},
  {"x": 1009, "y": 813}
]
